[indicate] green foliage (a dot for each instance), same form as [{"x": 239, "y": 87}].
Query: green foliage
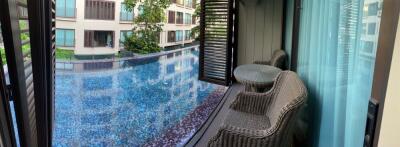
[
  {"x": 64, "y": 54},
  {"x": 24, "y": 36},
  {"x": 196, "y": 30},
  {"x": 26, "y": 48},
  {"x": 144, "y": 40},
  {"x": 3, "y": 56}
]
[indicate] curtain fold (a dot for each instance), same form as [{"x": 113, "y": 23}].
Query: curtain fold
[{"x": 337, "y": 67}]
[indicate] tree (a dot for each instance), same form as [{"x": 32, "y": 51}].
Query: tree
[
  {"x": 145, "y": 38},
  {"x": 196, "y": 30}
]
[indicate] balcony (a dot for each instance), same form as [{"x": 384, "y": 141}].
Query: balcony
[{"x": 181, "y": 97}]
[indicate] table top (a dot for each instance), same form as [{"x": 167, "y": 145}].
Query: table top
[{"x": 256, "y": 74}]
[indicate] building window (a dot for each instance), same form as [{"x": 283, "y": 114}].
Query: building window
[
  {"x": 126, "y": 15},
  {"x": 173, "y": 1},
  {"x": 188, "y": 3},
  {"x": 141, "y": 9},
  {"x": 65, "y": 37},
  {"x": 371, "y": 28},
  {"x": 171, "y": 36},
  {"x": 96, "y": 9},
  {"x": 194, "y": 4},
  {"x": 368, "y": 46},
  {"x": 373, "y": 9},
  {"x": 179, "y": 35},
  {"x": 364, "y": 28},
  {"x": 179, "y": 2},
  {"x": 99, "y": 38},
  {"x": 188, "y": 18},
  {"x": 179, "y": 18},
  {"x": 65, "y": 8},
  {"x": 187, "y": 34},
  {"x": 122, "y": 37},
  {"x": 171, "y": 17}
]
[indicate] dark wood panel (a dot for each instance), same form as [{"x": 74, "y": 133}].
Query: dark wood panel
[
  {"x": 295, "y": 35},
  {"x": 25, "y": 112},
  {"x": 216, "y": 41},
  {"x": 386, "y": 42}
]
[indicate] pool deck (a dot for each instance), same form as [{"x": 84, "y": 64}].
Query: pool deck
[{"x": 211, "y": 126}]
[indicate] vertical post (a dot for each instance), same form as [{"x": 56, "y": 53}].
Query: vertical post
[
  {"x": 386, "y": 42},
  {"x": 235, "y": 36},
  {"x": 295, "y": 35},
  {"x": 42, "y": 31}
]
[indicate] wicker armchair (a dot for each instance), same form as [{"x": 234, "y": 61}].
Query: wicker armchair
[
  {"x": 277, "y": 60},
  {"x": 264, "y": 119}
]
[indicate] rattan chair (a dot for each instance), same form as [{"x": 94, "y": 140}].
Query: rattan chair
[
  {"x": 264, "y": 119},
  {"x": 277, "y": 60}
]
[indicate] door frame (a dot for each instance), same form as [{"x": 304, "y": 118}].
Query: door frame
[
  {"x": 386, "y": 42},
  {"x": 295, "y": 35}
]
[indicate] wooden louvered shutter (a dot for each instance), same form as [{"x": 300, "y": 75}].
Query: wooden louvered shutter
[
  {"x": 14, "y": 15},
  {"x": 29, "y": 46},
  {"x": 216, "y": 41},
  {"x": 42, "y": 34}
]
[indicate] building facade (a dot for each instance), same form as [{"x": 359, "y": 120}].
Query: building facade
[{"x": 98, "y": 27}]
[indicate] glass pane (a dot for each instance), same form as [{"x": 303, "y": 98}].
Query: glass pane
[
  {"x": 60, "y": 37},
  {"x": 373, "y": 9},
  {"x": 140, "y": 9},
  {"x": 70, "y": 8},
  {"x": 371, "y": 28},
  {"x": 130, "y": 16},
  {"x": 69, "y": 38},
  {"x": 60, "y": 8},
  {"x": 123, "y": 12},
  {"x": 337, "y": 46}
]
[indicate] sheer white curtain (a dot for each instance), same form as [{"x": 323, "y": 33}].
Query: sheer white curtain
[{"x": 336, "y": 58}]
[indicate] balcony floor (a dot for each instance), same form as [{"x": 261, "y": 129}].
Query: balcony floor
[{"x": 212, "y": 125}]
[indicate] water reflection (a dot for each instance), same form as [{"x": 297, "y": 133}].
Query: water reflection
[{"x": 127, "y": 106}]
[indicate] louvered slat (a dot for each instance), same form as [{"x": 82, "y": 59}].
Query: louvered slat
[{"x": 216, "y": 41}]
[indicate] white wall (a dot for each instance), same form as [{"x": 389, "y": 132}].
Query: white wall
[
  {"x": 390, "y": 126},
  {"x": 260, "y": 29}
]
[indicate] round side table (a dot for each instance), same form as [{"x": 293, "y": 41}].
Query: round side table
[{"x": 256, "y": 77}]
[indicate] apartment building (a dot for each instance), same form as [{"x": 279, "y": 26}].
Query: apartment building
[
  {"x": 97, "y": 27},
  {"x": 369, "y": 39}
]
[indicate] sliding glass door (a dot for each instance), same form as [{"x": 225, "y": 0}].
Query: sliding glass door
[{"x": 336, "y": 56}]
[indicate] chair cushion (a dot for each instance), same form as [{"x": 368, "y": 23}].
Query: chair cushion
[{"x": 247, "y": 120}]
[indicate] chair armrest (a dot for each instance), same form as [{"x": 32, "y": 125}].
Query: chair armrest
[
  {"x": 250, "y": 102},
  {"x": 262, "y": 62},
  {"x": 231, "y": 135}
]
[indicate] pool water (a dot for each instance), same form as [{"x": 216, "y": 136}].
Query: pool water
[{"x": 156, "y": 102}]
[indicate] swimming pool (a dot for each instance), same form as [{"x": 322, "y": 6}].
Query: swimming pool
[{"x": 159, "y": 101}]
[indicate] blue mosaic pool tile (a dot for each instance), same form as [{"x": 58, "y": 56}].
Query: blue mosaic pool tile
[
  {"x": 140, "y": 104},
  {"x": 99, "y": 102},
  {"x": 95, "y": 134},
  {"x": 96, "y": 119}
]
